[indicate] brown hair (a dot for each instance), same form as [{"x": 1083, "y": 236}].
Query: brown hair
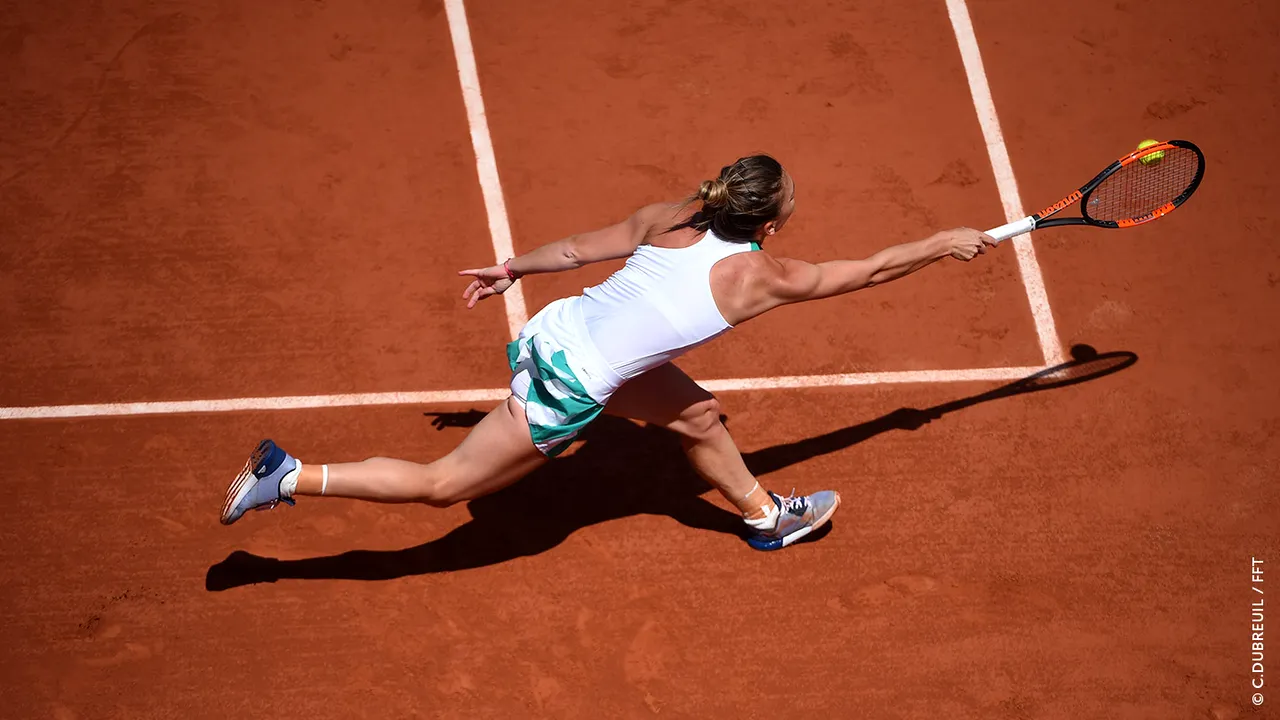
[{"x": 744, "y": 196}]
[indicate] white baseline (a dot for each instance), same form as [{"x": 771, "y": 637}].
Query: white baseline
[{"x": 442, "y": 397}]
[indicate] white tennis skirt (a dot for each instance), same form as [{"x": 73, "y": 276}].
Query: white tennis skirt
[{"x": 559, "y": 376}]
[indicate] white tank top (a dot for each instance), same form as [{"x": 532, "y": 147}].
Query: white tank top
[{"x": 658, "y": 306}]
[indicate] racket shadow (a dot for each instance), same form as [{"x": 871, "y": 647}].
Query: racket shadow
[
  {"x": 622, "y": 468},
  {"x": 1087, "y": 364}
]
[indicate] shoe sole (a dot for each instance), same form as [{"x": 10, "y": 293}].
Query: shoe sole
[
  {"x": 243, "y": 483},
  {"x": 802, "y": 532}
]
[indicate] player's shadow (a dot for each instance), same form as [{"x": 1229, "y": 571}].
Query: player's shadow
[{"x": 622, "y": 468}]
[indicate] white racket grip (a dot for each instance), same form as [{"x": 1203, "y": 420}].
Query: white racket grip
[{"x": 1013, "y": 229}]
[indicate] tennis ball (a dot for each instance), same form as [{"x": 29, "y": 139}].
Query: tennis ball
[{"x": 1152, "y": 158}]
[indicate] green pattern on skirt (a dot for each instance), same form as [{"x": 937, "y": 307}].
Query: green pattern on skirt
[{"x": 557, "y": 405}]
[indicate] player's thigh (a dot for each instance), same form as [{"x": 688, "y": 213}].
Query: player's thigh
[
  {"x": 668, "y": 397},
  {"x": 496, "y": 453}
]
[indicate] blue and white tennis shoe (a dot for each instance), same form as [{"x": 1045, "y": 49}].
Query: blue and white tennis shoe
[
  {"x": 797, "y": 517},
  {"x": 257, "y": 487}
]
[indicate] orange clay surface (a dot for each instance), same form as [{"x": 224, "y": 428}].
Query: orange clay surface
[{"x": 241, "y": 199}]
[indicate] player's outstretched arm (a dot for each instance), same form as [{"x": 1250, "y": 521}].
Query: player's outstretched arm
[{"x": 799, "y": 281}]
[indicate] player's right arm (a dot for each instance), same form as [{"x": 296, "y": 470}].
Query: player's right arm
[{"x": 788, "y": 281}]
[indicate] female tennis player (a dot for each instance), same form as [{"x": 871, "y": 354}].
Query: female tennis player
[{"x": 694, "y": 270}]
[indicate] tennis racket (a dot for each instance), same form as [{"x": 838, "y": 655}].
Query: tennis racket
[{"x": 1144, "y": 185}]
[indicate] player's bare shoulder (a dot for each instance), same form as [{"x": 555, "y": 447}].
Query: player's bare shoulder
[
  {"x": 758, "y": 269},
  {"x": 743, "y": 284}
]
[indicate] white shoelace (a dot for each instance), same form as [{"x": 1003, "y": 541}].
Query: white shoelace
[{"x": 791, "y": 501}]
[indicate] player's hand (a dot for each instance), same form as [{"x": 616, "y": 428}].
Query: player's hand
[
  {"x": 488, "y": 281},
  {"x": 966, "y": 243}
]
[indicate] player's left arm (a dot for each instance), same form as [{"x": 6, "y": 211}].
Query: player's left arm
[{"x": 609, "y": 243}]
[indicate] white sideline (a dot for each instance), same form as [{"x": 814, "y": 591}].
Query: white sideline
[
  {"x": 1007, "y": 185},
  {"x": 486, "y": 163},
  {"x": 442, "y": 397}
]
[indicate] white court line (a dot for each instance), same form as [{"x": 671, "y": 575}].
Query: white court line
[
  {"x": 293, "y": 402},
  {"x": 1050, "y": 345},
  {"x": 442, "y": 397},
  {"x": 486, "y": 164},
  {"x": 875, "y": 378}
]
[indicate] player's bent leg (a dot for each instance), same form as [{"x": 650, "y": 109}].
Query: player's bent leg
[
  {"x": 496, "y": 453},
  {"x": 668, "y": 397}
]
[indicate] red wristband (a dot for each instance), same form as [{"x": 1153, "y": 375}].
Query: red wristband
[{"x": 510, "y": 275}]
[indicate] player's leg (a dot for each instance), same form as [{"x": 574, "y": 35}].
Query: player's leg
[
  {"x": 496, "y": 453},
  {"x": 668, "y": 397}
]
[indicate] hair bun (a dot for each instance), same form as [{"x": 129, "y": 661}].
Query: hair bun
[{"x": 714, "y": 193}]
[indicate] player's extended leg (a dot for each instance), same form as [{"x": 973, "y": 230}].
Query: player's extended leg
[
  {"x": 668, "y": 397},
  {"x": 497, "y": 452}
]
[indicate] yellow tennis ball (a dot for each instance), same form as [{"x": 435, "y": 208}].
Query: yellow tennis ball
[{"x": 1151, "y": 158}]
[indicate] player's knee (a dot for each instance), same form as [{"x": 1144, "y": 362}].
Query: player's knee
[
  {"x": 440, "y": 500},
  {"x": 440, "y": 493},
  {"x": 701, "y": 421},
  {"x": 439, "y": 489}
]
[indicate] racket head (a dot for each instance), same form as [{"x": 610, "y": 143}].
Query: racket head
[{"x": 1144, "y": 185}]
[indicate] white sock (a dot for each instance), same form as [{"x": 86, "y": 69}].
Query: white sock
[
  {"x": 289, "y": 482},
  {"x": 769, "y": 521}
]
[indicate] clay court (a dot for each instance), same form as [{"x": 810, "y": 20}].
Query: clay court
[{"x": 222, "y": 221}]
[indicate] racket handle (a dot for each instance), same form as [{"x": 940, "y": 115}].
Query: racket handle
[{"x": 1017, "y": 227}]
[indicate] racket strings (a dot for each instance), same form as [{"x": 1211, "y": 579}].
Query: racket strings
[{"x": 1138, "y": 189}]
